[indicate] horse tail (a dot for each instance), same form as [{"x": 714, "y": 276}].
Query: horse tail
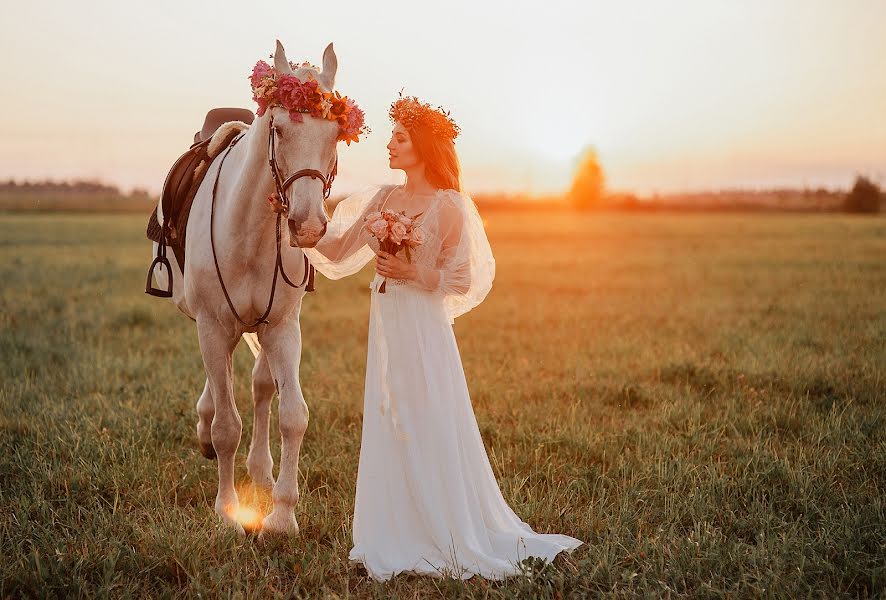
[{"x": 252, "y": 342}]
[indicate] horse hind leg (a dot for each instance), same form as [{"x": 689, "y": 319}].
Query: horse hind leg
[
  {"x": 205, "y": 414},
  {"x": 260, "y": 463}
]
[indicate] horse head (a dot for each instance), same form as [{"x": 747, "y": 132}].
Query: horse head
[{"x": 305, "y": 152}]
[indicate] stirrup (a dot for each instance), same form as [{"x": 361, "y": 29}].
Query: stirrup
[{"x": 149, "y": 287}]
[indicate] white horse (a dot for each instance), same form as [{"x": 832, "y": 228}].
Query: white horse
[{"x": 245, "y": 247}]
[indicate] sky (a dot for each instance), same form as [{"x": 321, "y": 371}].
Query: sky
[{"x": 673, "y": 96}]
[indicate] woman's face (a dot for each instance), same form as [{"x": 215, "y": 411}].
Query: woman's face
[{"x": 401, "y": 152}]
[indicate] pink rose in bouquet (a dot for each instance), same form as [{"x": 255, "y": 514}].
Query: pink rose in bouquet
[
  {"x": 377, "y": 225},
  {"x": 394, "y": 232},
  {"x": 417, "y": 237},
  {"x": 398, "y": 232}
]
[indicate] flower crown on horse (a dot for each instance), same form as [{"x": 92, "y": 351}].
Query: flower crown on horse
[{"x": 272, "y": 88}]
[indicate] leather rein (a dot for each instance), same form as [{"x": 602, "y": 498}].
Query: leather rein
[{"x": 281, "y": 186}]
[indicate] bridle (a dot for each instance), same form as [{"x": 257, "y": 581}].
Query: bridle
[{"x": 281, "y": 185}]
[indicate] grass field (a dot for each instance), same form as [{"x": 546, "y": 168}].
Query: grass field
[{"x": 701, "y": 398}]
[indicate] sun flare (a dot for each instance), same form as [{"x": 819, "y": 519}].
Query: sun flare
[{"x": 248, "y": 517}]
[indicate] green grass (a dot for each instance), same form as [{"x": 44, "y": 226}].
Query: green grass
[{"x": 701, "y": 398}]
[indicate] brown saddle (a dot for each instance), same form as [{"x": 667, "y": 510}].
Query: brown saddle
[{"x": 182, "y": 183}]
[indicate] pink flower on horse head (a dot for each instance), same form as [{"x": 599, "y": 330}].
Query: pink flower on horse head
[
  {"x": 265, "y": 94},
  {"x": 297, "y": 95},
  {"x": 259, "y": 72},
  {"x": 351, "y": 122},
  {"x": 263, "y": 104}
]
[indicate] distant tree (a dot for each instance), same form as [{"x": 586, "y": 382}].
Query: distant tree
[
  {"x": 589, "y": 183},
  {"x": 139, "y": 192},
  {"x": 48, "y": 186},
  {"x": 864, "y": 197},
  {"x": 622, "y": 200}
]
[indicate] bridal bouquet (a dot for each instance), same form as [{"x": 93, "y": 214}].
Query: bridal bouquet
[{"x": 394, "y": 232}]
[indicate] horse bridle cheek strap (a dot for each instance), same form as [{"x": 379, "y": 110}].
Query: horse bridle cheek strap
[
  {"x": 282, "y": 185},
  {"x": 278, "y": 265}
]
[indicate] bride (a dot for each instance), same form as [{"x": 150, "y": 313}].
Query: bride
[{"x": 427, "y": 500}]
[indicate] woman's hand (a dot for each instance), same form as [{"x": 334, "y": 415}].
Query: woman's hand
[{"x": 388, "y": 265}]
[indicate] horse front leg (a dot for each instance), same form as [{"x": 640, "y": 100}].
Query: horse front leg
[
  {"x": 283, "y": 349},
  {"x": 217, "y": 349},
  {"x": 260, "y": 463}
]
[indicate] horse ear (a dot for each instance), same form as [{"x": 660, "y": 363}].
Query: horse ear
[
  {"x": 280, "y": 61},
  {"x": 330, "y": 66}
]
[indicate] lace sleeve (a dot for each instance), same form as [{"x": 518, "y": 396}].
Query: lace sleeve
[
  {"x": 344, "y": 249},
  {"x": 465, "y": 268}
]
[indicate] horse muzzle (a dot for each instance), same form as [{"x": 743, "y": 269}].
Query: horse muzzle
[{"x": 303, "y": 236}]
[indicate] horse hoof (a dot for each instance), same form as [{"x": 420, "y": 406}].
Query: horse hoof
[
  {"x": 279, "y": 524},
  {"x": 229, "y": 523},
  {"x": 208, "y": 451}
]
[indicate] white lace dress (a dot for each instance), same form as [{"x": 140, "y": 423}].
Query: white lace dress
[{"x": 427, "y": 500}]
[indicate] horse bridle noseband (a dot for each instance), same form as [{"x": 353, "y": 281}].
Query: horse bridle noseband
[{"x": 281, "y": 186}]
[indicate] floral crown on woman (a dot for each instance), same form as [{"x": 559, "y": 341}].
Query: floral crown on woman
[
  {"x": 272, "y": 88},
  {"x": 410, "y": 111}
]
